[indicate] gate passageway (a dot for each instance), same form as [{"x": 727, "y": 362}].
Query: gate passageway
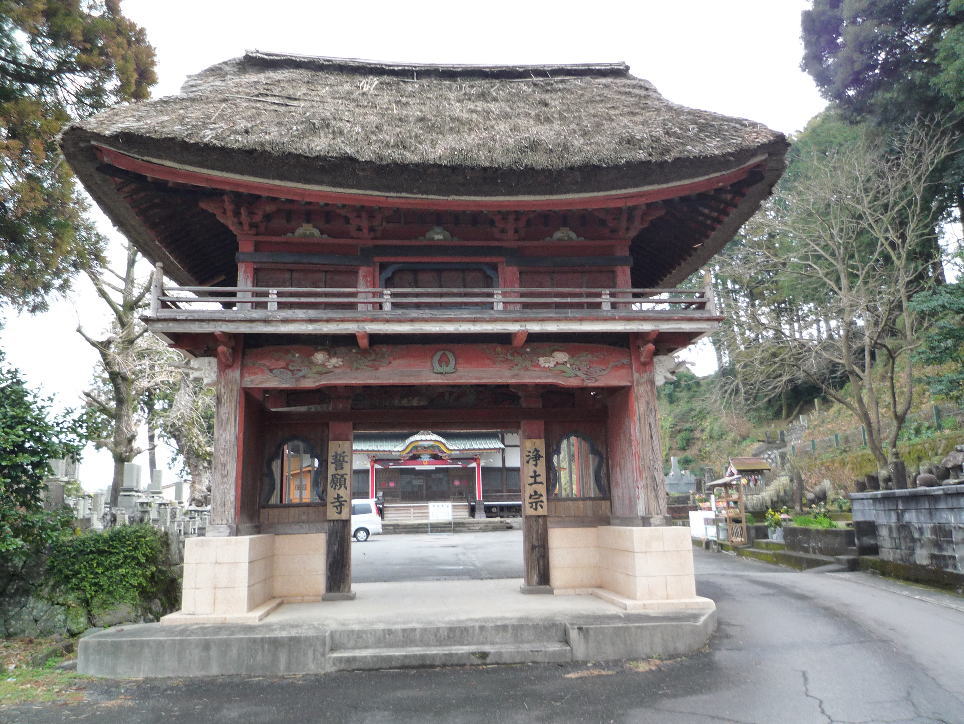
[{"x": 439, "y": 556}]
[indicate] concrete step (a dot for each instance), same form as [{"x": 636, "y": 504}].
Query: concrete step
[
  {"x": 467, "y": 524},
  {"x": 546, "y": 652},
  {"x": 471, "y": 634},
  {"x": 800, "y": 561},
  {"x": 344, "y": 641}
]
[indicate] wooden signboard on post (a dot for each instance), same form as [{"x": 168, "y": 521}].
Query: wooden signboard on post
[
  {"x": 534, "y": 489},
  {"x": 339, "y": 480}
]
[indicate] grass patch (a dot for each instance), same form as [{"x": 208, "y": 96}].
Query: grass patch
[
  {"x": 809, "y": 521},
  {"x": 23, "y": 681}
]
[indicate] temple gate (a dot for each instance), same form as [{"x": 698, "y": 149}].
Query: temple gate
[{"x": 366, "y": 248}]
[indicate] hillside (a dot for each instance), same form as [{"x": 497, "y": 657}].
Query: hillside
[{"x": 825, "y": 438}]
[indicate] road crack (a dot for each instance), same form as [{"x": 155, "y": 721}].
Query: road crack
[{"x": 806, "y": 691}]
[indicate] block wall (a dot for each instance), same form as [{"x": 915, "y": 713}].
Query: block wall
[{"x": 921, "y": 526}]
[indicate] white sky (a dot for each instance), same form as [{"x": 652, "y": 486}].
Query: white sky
[{"x": 736, "y": 57}]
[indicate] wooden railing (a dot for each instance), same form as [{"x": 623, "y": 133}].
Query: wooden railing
[{"x": 201, "y": 301}]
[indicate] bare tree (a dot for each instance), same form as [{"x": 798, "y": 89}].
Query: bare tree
[
  {"x": 850, "y": 235},
  {"x": 132, "y": 362},
  {"x": 186, "y": 409}
]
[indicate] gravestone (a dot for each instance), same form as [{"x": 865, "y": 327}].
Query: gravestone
[{"x": 679, "y": 481}]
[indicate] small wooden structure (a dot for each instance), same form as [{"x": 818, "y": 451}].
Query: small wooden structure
[{"x": 734, "y": 507}]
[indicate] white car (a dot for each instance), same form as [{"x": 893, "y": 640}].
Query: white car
[{"x": 365, "y": 520}]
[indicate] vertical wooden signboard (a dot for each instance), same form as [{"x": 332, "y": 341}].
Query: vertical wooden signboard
[
  {"x": 534, "y": 477},
  {"x": 339, "y": 480}
]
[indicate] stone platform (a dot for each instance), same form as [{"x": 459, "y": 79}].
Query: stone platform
[{"x": 412, "y": 624}]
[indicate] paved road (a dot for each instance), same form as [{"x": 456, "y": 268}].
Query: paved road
[
  {"x": 438, "y": 557},
  {"x": 791, "y": 647}
]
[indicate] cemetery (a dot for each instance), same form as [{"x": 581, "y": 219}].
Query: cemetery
[{"x": 914, "y": 533}]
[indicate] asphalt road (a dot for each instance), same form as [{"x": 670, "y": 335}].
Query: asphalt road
[
  {"x": 791, "y": 647},
  {"x": 438, "y": 557}
]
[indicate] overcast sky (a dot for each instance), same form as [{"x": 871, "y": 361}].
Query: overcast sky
[{"x": 736, "y": 57}]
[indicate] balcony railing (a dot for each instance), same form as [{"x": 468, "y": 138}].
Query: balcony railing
[
  {"x": 277, "y": 302},
  {"x": 299, "y": 302}
]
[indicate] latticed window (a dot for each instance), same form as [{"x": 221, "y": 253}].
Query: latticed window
[
  {"x": 578, "y": 469},
  {"x": 293, "y": 474}
]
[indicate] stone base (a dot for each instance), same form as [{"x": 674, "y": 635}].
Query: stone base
[
  {"x": 629, "y": 563},
  {"x": 339, "y": 596},
  {"x": 235, "y": 579},
  {"x": 293, "y": 647},
  {"x": 253, "y": 616},
  {"x": 536, "y": 589}
]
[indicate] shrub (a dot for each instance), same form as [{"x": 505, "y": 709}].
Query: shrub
[
  {"x": 126, "y": 564},
  {"x": 809, "y": 521}
]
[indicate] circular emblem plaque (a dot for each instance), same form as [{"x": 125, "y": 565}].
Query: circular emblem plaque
[{"x": 443, "y": 362}]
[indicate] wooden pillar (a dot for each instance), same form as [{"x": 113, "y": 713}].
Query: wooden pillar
[
  {"x": 535, "y": 519},
  {"x": 245, "y": 273},
  {"x": 638, "y": 488},
  {"x": 509, "y": 279},
  {"x": 228, "y": 437},
  {"x": 338, "y": 544},
  {"x": 371, "y": 477},
  {"x": 479, "y": 506}
]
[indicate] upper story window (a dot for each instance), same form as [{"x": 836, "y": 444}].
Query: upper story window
[
  {"x": 578, "y": 469},
  {"x": 439, "y": 275},
  {"x": 452, "y": 276},
  {"x": 294, "y": 475}
]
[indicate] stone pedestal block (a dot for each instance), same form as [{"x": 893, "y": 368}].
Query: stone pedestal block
[
  {"x": 242, "y": 578},
  {"x": 630, "y": 563}
]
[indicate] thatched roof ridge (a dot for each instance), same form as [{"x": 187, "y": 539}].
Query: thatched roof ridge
[
  {"x": 415, "y": 71},
  {"x": 317, "y": 113}
]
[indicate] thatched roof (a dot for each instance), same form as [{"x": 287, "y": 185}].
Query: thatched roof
[
  {"x": 306, "y": 118},
  {"x": 430, "y": 131}
]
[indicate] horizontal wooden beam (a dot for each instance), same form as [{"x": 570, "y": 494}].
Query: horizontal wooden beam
[
  {"x": 569, "y": 261},
  {"x": 427, "y": 323},
  {"x": 289, "y": 257},
  {"x": 375, "y": 420}
]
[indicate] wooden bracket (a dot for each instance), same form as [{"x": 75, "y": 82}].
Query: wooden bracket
[
  {"x": 509, "y": 224},
  {"x": 363, "y": 340},
  {"x": 646, "y": 352},
  {"x": 519, "y": 337},
  {"x": 225, "y": 351},
  {"x": 627, "y": 221}
]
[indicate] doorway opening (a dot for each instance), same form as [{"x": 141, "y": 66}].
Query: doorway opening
[{"x": 450, "y": 501}]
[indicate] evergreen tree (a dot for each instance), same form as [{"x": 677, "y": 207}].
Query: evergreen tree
[
  {"x": 888, "y": 62},
  {"x": 30, "y": 437},
  {"x": 59, "y": 60}
]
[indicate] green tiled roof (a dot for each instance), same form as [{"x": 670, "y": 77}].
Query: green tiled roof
[{"x": 460, "y": 441}]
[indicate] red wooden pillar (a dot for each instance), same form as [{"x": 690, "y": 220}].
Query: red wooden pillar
[
  {"x": 371, "y": 477},
  {"x": 245, "y": 272},
  {"x": 338, "y": 542},
  {"x": 228, "y": 437},
  {"x": 479, "y": 506},
  {"x": 535, "y": 527},
  {"x": 638, "y": 488}
]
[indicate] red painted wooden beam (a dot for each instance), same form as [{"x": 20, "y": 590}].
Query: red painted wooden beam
[{"x": 284, "y": 191}]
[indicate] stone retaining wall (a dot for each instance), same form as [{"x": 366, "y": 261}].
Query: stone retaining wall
[
  {"x": 917, "y": 526},
  {"x": 819, "y": 541}
]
